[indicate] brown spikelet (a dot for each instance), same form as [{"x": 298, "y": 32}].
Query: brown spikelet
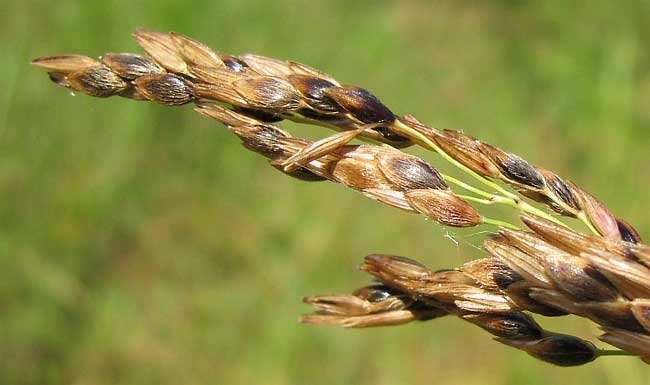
[
  {"x": 548, "y": 269},
  {"x": 321, "y": 148},
  {"x": 194, "y": 52},
  {"x": 65, "y": 64},
  {"x": 410, "y": 172},
  {"x": 599, "y": 215},
  {"x": 360, "y": 174},
  {"x": 559, "y": 349},
  {"x": 363, "y": 105},
  {"x": 267, "y": 66},
  {"x": 514, "y": 168},
  {"x": 466, "y": 149},
  {"x": 641, "y": 310},
  {"x": 511, "y": 326},
  {"x": 167, "y": 89},
  {"x": 389, "y": 197},
  {"x": 162, "y": 48},
  {"x": 96, "y": 81},
  {"x": 312, "y": 89},
  {"x": 444, "y": 207},
  {"x": 268, "y": 93},
  {"x": 130, "y": 66}
]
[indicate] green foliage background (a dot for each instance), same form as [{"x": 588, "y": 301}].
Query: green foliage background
[{"x": 140, "y": 244}]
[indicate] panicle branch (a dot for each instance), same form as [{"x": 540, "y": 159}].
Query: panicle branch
[{"x": 548, "y": 269}]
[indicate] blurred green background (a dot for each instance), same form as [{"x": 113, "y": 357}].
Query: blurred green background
[{"x": 140, "y": 244}]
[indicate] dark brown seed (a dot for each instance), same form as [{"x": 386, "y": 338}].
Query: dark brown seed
[
  {"x": 312, "y": 89},
  {"x": 131, "y": 66},
  {"x": 513, "y": 167},
  {"x": 97, "y": 81},
  {"x": 233, "y": 63},
  {"x": 628, "y": 233},
  {"x": 490, "y": 273},
  {"x": 59, "y": 78},
  {"x": 361, "y": 104},
  {"x": 167, "y": 89},
  {"x": 559, "y": 349},
  {"x": 376, "y": 293},
  {"x": 512, "y": 326},
  {"x": 409, "y": 172},
  {"x": 301, "y": 173},
  {"x": 506, "y": 277}
]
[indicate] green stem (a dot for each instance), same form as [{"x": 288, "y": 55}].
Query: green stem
[
  {"x": 470, "y": 198},
  {"x": 497, "y": 222},
  {"x": 588, "y": 223},
  {"x": 508, "y": 198},
  {"x": 467, "y": 187},
  {"x": 493, "y": 198},
  {"x": 613, "y": 352},
  {"x": 432, "y": 146}
]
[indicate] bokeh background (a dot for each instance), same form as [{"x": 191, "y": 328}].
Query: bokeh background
[{"x": 140, "y": 244}]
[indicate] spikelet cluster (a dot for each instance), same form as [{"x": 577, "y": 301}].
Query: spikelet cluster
[{"x": 547, "y": 269}]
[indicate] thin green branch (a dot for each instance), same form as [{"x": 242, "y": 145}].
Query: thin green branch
[{"x": 508, "y": 198}]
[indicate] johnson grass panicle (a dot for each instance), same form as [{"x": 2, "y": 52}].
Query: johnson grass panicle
[{"x": 548, "y": 269}]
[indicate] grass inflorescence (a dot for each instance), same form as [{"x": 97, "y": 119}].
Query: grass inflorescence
[{"x": 548, "y": 268}]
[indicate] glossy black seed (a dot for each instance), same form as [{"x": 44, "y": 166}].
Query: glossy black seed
[
  {"x": 361, "y": 104},
  {"x": 312, "y": 89},
  {"x": 565, "y": 351},
  {"x": 519, "y": 171},
  {"x": 58, "y": 78},
  {"x": 303, "y": 174},
  {"x": 628, "y": 233},
  {"x": 514, "y": 326},
  {"x": 505, "y": 277},
  {"x": 234, "y": 64}
]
